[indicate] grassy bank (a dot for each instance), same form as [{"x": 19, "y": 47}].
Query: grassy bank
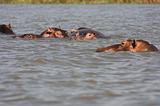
[{"x": 80, "y": 1}]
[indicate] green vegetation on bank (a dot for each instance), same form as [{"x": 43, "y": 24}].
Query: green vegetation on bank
[{"x": 79, "y": 1}]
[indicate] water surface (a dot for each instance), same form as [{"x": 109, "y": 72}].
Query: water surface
[{"x": 54, "y": 72}]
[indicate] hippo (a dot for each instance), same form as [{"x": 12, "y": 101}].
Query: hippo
[
  {"x": 6, "y": 29},
  {"x": 84, "y": 33},
  {"x": 138, "y": 45},
  {"x": 48, "y": 33},
  {"x": 53, "y": 32},
  {"x": 29, "y": 36},
  {"x": 130, "y": 45}
]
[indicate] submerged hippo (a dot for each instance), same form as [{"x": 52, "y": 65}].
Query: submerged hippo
[
  {"x": 48, "y": 33},
  {"x": 29, "y": 36},
  {"x": 84, "y": 33},
  {"x": 130, "y": 45},
  {"x": 54, "y": 32},
  {"x": 6, "y": 29}
]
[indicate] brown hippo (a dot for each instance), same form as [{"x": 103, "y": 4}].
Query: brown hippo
[
  {"x": 54, "y": 32},
  {"x": 130, "y": 45},
  {"x": 48, "y": 33},
  {"x": 138, "y": 45},
  {"x": 84, "y": 33},
  {"x": 6, "y": 29},
  {"x": 29, "y": 36}
]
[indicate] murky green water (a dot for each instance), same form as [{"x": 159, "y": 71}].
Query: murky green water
[{"x": 52, "y": 72}]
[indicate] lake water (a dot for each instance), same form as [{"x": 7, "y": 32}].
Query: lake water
[{"x": 54, "y": 72}]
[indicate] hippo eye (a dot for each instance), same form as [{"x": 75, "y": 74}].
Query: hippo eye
[{"x": 122, "y": 43}]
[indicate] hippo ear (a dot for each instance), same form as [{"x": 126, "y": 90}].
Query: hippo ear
[
  {"x": 133, "y": 43},
  {"x": 49, "y": 29},
  {"x": 9, "y": 25}
]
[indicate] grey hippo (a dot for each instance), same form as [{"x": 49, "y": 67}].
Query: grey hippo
[{"x": 84, "y": 33}]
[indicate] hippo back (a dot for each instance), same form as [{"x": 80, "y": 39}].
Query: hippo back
[{"x": 112, "y": 48}]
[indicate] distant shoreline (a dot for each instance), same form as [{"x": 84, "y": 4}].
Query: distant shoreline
[{"x": 79, "y": 1}]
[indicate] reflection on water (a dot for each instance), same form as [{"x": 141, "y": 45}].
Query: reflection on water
[{"x": 65, "y": 73}]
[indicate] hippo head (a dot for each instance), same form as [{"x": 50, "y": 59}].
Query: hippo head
[
  {"x": 128, "y": 44},
  {"x": 54, "y": 33},
  {"x": 7, "y": 29},
  {"x": 85, "y": 36},
  {"x": 138, "y": 46},
  {"x": 89, "y": 36},
  {"x": 141, "y": 46}
]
